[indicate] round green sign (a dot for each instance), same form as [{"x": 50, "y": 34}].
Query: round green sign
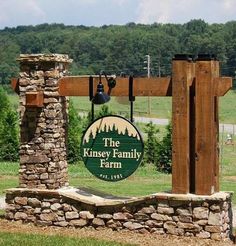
[{"x": 112, "y": 148}]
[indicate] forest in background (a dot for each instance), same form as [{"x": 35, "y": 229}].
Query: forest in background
[{"x": 119, "y": 49}]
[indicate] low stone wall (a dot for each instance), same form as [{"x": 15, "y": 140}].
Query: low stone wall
[{"x": 184, "y": 215}]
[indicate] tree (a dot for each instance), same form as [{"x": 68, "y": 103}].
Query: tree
[
  {"x": 151, "y": 144},
  {"x": 164, "y": 153}
]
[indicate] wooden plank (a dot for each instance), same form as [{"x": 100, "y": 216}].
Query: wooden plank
[
  {"x": 34, "y": 99},
  {"x": 79, "y": 86},
  {"x": 15, "y": 84},
  {"x": 205, "y": 128},
  {"x": 182, "y": 77},
  {"x": 226, "y": 84},
  {"x": 222, "y": 85}
]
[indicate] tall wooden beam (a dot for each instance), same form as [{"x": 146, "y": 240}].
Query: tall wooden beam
[
  {"x": 216, "y": 125},
  {"x": 205, "y": 139},
  {"x": 182, "y": 77}
]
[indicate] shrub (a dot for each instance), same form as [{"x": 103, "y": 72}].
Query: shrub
[
  {"x": 9, "y": 129},
  {"x": 164, "y": 155},
  {"x": 75, "y": 130},
  {"x": 151, "y": 145}
]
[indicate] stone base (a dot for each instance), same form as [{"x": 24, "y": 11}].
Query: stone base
[{"x": 184, "y": 215}]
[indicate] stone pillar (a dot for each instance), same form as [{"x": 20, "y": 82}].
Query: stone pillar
[{"x": 43, "y": 121}]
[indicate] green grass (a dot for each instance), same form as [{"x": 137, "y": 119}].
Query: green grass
[
  {"x": 8, "y": 175},
  {"x": 22, "y": 239},
  {"x": 161, "y": 107},
  {"x": 146, "y": 180},
  {"x": 9, "y": 168},
  {"x": 227, "y": 107}
]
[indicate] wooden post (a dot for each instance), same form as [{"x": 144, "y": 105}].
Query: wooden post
[
  {"x": 216, "y": 133},
  {"x": 205, "y": 138},
  {"x": 182, "y": 77}
]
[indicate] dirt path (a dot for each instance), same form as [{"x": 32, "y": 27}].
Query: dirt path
[{"x": 106, "y": 234}]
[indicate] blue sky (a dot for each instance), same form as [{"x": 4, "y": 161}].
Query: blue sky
[{"x": 105, "y": 12}]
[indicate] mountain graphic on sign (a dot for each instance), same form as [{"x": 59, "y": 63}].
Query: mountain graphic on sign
[{"x": 113, "y": 125}]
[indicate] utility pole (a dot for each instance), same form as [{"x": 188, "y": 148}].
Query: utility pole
[{"x": 148, "y": 67}]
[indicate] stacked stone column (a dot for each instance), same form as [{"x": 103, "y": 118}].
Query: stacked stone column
[{"x": 43, "y": 128}]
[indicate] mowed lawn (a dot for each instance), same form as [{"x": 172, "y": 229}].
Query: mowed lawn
[
  {"x": 146, "y": 180},
  {"x": 160, "y": 107},
  {"x": 24, "y": 239}
]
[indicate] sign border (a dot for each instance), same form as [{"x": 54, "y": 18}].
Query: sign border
[{"x": 138, "y": 132}]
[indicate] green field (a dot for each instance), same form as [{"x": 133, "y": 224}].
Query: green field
[
  {"x": 160, "y": 106},
  {"x": 146, "y": 180}
]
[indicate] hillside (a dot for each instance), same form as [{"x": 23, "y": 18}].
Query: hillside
[{"x": 119, "y": 49}]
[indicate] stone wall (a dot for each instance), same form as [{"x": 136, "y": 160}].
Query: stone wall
[
  {"x": 186, "y": 215},
  {"x": 43, "y": 127}
]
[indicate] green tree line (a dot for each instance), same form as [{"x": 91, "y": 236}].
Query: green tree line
[{"x": 119, "y": 49}]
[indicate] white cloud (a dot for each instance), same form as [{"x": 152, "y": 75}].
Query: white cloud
[
  {"x": 165, "y": 11},
  {"x": 15, "y": 11}
]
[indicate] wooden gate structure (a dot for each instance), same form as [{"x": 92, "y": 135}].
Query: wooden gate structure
[{"x": 195, "y": 86}]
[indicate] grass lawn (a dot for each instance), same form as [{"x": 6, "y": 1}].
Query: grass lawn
[
  {"x": 22, "y": 239},
  {"x": 146, "y": 180},
  {"x": 160, "y": 106}
]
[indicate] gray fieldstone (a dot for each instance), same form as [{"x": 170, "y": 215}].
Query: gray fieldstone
[
  {"x": 141, "y": 216},
  {"x": 160, "y": 217},
  {"x": 78, "y": 222},
  {"x": 86, "y": 215},
  {"x": 165, "y": 210},
  {"x": 214, "y": 219},
  {"x": 48, "y": 217},
  {"x": 21, "y": 200},
  {"x": 61, "y": 223},
  {"x": 213, "y": 228},
  {"x": 132, "y": 226},
  {"x": 200, "y": 213},
  {"x": 153, "y": 223},
  {"x": 56, "y": 206},
  {"x": 20, "y": 216},
  {"x": 185, "y": 219},
  {"x": 183, "y": 212},
  {"x": 203, "y": 234},
  {"x": 71, "y": 215},
  {"x": 119, "y": 216},
  {"x": 189, "y": 226},
  {"x": 148, "y": 210},
  {"x": 34, "y": 202},
  {"x": 98, "y": 222},
  {"x": 105, "y": 216}
]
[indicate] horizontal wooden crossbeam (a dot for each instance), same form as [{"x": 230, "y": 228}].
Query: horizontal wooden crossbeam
[
  {"x": 79, "y": 86},
  {"x": 222, "y": 85}
]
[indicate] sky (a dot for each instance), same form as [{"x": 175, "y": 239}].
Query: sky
[{"x": 105, "y": 12}]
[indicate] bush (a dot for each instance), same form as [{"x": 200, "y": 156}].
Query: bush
[
  {"x": 9, "y": 129},
  {"x": 75, "y": 130},
  {"x": 164, "y": 155},
  {"x": 158, "y": 152}
]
